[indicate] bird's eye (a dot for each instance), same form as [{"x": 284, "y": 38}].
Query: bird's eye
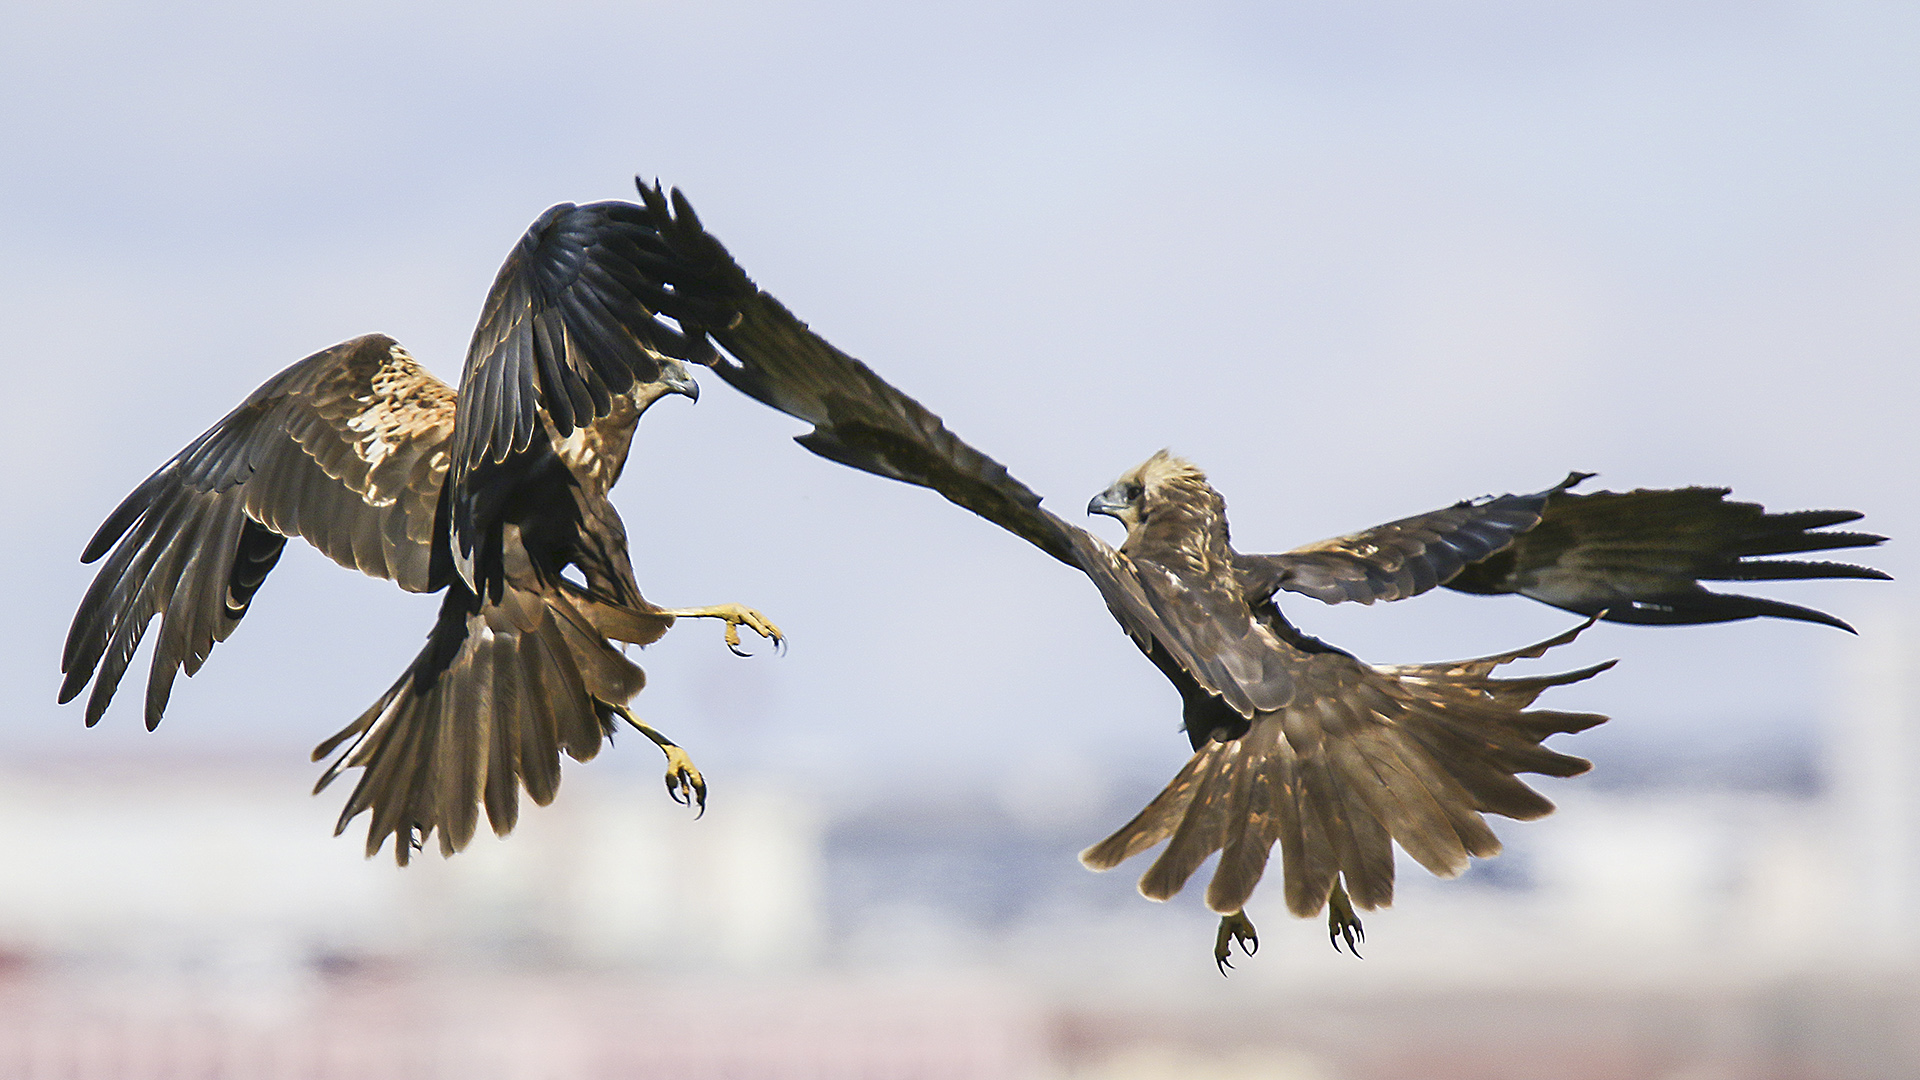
[{"x": 1134, "y": 491}]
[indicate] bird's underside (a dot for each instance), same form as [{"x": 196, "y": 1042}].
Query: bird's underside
[
  {"x": 1296, "y": 742},
  {"x": 496, "y": 495}
]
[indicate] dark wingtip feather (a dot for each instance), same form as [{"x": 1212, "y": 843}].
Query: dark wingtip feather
[
  {"x": 1703, "y": 606},
  {"x": 70, "y": 687},
  {"x": 127, "y": 513},
  {"x": 1800, "y": 569}
]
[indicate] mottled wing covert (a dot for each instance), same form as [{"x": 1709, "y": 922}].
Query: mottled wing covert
[{"x": 346, "y": 449}]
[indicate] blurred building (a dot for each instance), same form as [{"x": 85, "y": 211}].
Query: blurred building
[{"x": 1739, "y": 907}]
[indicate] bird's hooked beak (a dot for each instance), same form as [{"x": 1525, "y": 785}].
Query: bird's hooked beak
[
  {"x": 1112, "y": 502},
  {"x": 678, "y": 380}
]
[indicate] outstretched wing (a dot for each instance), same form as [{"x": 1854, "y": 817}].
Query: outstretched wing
[
  {"x": 1401, "y": 558},
  {"x": 1361, "y": 757},
  {"x": 1634, "y": 557},
  {"x": 578, "y": 313},
  {"x": 861, "y": 420},
  {"x": 346, "y": 449},
  {"x": 858, "y": 418},
  {"x": 1640, "y": 556}
]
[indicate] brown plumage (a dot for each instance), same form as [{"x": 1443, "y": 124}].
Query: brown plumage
[
  {"x": 387, "y": 470},
  {"x": 1296, "y": 742},
  {"x": 1639, "y": 556},
  {"x": 1300, "y": 743}
]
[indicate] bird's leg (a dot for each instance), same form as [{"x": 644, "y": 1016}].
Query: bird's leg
[
  {"x": 736, "y": 616},
  {"x": 1342, "y": 923},
  {"x": 1234, "y": 927},
  {"x": 685, "y": 785}
]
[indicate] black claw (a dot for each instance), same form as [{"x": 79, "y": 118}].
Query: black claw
[
  {"x": 737, "y": 650},
  {"x": 688, "y": 792},
  {"x": 1342, "y": 923},
  {"x": 1349, "y": 932},
  {"x": 1234, "y": 928}
]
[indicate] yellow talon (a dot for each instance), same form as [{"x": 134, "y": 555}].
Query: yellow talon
[
  {"x": 735, "y": 616},
  {"x": 685, "y": 785}
]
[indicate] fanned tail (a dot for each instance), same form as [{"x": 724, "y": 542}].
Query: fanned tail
[
  {"x": 486, "y": 708},
  {"x": 1362, "y": 757}
]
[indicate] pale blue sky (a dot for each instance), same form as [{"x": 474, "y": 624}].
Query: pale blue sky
[{"x": 1358, "y": 260}]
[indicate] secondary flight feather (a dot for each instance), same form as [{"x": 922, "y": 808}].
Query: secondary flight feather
[
  {"x": 1296, "y": 743},
  {"x": 496, "y": 496}
]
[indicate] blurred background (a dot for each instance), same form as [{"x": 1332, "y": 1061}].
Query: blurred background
[{"x": 1359, "y": 260}]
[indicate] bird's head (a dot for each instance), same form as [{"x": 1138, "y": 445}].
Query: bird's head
[
  {"x": 1146, "y": 487},
  {"x": 674, "y": 378}
]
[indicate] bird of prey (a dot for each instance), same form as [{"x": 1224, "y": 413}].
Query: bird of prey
[
  {"x": 1294, "y": 741},
  {"x": 496, "y": 495}
]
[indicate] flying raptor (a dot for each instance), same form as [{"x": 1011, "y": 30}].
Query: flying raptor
[
  {"x": 1294, "y": 741},
  {"x": 496, "y": 496}
]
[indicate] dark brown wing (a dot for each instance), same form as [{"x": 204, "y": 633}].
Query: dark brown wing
[
  {"x": 1359, "y": 758},
  {"x": 1640, "y": 556},
  {"x": 862, "y": 421},
  {"x": 575, "y": 317},
  {"x": 858, "y": 418},
  {"x": 1637, "y": 557},
  {"x": 1401, "y": 558},
  {"x": 346, "y": 449}
]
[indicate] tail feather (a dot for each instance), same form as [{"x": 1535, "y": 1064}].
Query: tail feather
[
  {"x": 1199, "y": 833},
  {"x": 1363, "y": 856},
  {"x": 1362, "y": 758},
  {"x": 1154, "y": 823},
  {"x": 1249, "y": 834},
  {"x": 539, "y": 749},
  {"x": 1310, "y": 838},
  {"x": 1411, "y": 795},
  {"x": 499, "y": 690},
  {"x": 459, "y": 746},
  {"x": 503, "y": 755}
]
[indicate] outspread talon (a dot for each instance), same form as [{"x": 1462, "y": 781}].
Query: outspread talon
[
  {"x": 1342, "y": 923},
  {"x": 1234, "y": 927}
]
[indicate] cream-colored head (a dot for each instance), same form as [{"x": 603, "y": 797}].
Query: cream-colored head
[{"x": 1159, "y": 481}]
